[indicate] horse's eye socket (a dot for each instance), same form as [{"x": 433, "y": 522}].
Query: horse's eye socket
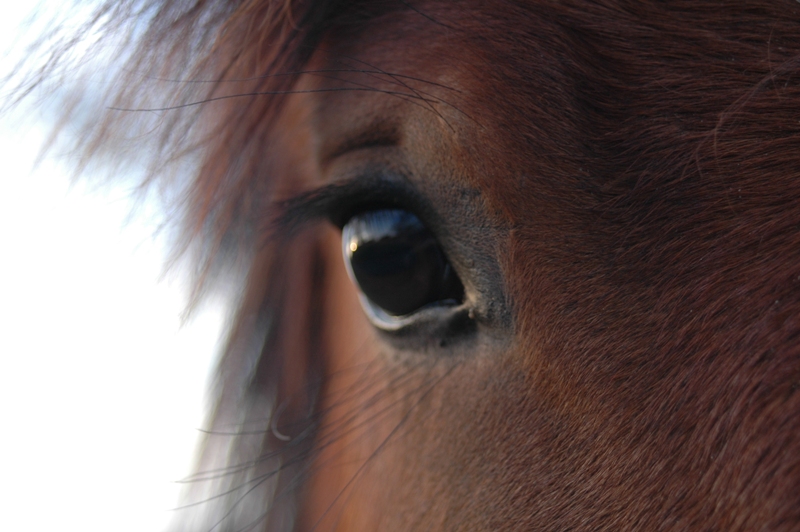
[{"x": 397, "y": 263}]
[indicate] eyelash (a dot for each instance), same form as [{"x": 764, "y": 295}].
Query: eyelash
[{"x": 432, "y": 328}]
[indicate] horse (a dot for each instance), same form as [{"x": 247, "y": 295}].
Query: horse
[{"x": 501, "y": 265}]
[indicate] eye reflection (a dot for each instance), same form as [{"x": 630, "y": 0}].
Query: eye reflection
[{"x": 397, "y": 263}]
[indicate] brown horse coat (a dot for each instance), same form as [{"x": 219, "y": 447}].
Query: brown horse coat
[{"x": 616, "y": 184}]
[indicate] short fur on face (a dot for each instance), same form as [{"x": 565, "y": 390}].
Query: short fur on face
[{"x": 617, "y": 183}]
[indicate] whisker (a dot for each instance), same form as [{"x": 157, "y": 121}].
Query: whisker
[
  {"x": 383, "y": 444},
  {"x": 257, "y": 93},
  {"x": 300, "y": 73},
  {"x": 406, "y": 86},
  {"x": 398, "y": 77},
  {"x": 425, "y": 15},
  {"x": 213, "y": 474}
]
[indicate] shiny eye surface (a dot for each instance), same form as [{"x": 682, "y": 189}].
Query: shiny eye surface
[{"x": 397, "y": 263}]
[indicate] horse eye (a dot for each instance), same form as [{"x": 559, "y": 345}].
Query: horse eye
[{"x": 397, "y": 263}]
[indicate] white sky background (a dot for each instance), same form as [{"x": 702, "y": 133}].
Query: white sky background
[{"x": 101, "y": 389}]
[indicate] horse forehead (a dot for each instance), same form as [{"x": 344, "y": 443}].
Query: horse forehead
[
  {"x": 442, "y": 104},
  {"x": 382, "y": 86}
]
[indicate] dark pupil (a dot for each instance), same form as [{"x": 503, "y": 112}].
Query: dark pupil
[{"x": 397, "y": 263}]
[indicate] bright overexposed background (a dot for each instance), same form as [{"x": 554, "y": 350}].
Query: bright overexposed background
[{"x": 101, "y": 382}]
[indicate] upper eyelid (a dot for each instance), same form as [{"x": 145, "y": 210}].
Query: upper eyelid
[
  {"x": 338, "y": 202},
  {"x": 304, "y": 208}
]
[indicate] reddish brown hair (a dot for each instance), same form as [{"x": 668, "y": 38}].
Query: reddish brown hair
[{"x": 644, "y": 160}]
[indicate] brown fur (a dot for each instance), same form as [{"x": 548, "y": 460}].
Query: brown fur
[{"x": 617, "y": 183}]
